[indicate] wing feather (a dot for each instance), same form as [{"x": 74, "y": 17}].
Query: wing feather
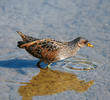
[{"x": 46, "y": 49}]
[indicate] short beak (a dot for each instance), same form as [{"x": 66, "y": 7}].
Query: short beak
[{"x": 90, "y": 45}]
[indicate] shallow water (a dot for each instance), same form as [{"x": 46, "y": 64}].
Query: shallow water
[
  {"x": 80, "y": 63},
  {"x": 62, "y": 20},
  {"x": 49, "y": 82}
]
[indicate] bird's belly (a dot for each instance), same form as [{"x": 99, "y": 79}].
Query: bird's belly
[
  {"x": 67, "y": 53},
  {"x": 62, "y": 57}
]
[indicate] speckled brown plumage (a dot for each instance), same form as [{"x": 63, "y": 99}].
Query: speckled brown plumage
[{"x": 50, "y": 50}]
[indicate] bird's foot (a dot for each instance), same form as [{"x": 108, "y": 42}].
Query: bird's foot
[{"x": 49, "y": 66}]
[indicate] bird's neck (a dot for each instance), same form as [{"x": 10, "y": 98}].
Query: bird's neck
[{"x": 73, "y": 44}]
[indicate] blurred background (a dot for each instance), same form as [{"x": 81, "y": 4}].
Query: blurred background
[{"x": 62, "y": 20}]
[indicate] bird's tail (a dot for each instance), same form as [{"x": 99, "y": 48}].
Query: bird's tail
[
  {"x": 22, "y": 35},
  {"x": 26, "y": 38}
]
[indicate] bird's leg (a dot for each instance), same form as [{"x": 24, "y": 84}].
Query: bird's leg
[
  {"x": 38, "y": 64},
  {"x": 48, "y": 66}
]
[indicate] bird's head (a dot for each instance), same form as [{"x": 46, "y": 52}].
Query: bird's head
[{"x": 82, "y": 42}]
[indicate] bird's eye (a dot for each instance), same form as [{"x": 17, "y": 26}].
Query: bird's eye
[{"x": 85, "y": 42}]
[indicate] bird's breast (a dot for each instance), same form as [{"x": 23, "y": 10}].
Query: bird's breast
[{"x": 67, "y": 52}]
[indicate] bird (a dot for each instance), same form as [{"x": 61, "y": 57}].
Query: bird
[{"x": 50, "y": 50}]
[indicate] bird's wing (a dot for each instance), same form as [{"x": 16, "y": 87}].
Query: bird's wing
[
  {"x": 45, "y": 44},
  {"x": 28, "y": 44},
  {"x": 46, "y": 49}
]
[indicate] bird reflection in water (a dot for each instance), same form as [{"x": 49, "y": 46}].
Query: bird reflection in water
[{"x": 49, "y": 82}]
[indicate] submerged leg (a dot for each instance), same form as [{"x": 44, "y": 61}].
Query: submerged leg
[
  {"x": 38, "y": 64},
  {"x": 48, "y": 66}
]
